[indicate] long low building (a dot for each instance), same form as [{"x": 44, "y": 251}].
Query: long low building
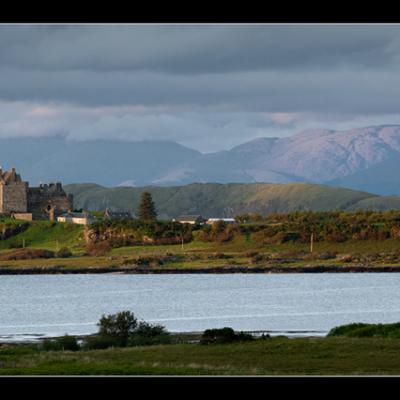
[
  {"x": 198, "y": 219},
  {"x": 76, "y": 218},
  {"x": 190, "y": 219},
  {"x": 211, "y": 221}
]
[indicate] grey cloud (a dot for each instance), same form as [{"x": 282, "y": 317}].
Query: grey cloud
[
  {"x": 339, "y": 90},
  {"x": 206, "y": 131},
  {"x": 209, "y": 87},
  {"x": 196, "y": 49}
]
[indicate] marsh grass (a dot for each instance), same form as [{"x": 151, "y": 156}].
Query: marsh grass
[{"x": 275, "y": 356}]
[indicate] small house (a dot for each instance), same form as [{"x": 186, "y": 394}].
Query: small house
[
  {"x": 190, "y": 219},
  {"x": 211, "y": 221},
  {"x": 117, "y": 215},
  {"x": 76, "y": 218}
]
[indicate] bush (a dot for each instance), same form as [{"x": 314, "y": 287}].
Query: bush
[
  {"x": 143, "y": 261},
  {"x": 219, "y": 231},
  {"x": 64, "y": 252},
  {"x": 100, "y": 342},
  {"x": 219, "y": 256},
  {"x": 149, "y": 330},
  {"x": 133, "y": 232},
  {"x": 367, "y": 330},
  {"x": 257, "y": 259},
  {"x": 26, "y": 254},
  {"x": 223, "y": 335},
  {"x": 326, "y": 255},
  {"x": 283, "y": 237},
  {"x": 63, "y": 343},
  {"x": 147, "y": 334},
  {"x": 98, "y": 249},
  {"x": 123, "y": 329},
  {"x": 137, "y": 340},
  {"x": 15, "y": 245}
]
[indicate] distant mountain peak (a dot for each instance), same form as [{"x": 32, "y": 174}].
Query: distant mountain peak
[{"x": 362, "y": 158}]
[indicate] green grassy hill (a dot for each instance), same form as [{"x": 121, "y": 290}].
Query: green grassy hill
[
  {"x": 378, "y": 203},
  {"x": 227, "y": 200},
  {"x": 45, "y": 235}
]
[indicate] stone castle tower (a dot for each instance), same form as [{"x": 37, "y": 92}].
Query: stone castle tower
[
  {"x": 44, "y": 202},
  {"x": 13, "y": 193}
]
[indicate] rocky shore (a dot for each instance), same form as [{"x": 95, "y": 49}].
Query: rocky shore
[{"x": 212, "y": 270}]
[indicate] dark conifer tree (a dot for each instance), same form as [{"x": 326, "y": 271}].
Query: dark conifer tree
[{"x": 147, "y": 210}]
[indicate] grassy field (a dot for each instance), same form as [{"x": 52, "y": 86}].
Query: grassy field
[
  {"x": 274, "y": 356},
  {"x": 194, "y": 255}
]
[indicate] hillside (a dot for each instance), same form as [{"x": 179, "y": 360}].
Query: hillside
[
  {"x": 378, "y": 178},
  {"x": 227, "y": 200}
]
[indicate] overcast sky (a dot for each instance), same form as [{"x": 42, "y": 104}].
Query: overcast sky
[{"x": 209, "y": 87}]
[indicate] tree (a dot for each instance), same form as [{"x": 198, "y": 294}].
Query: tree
[
  {"x": 120, "y": 325},
  {"x": 123, "y": 329},
  {"x": 147, "y": 210}
]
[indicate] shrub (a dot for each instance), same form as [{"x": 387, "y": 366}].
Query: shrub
[
  {"x": 348, "y": 258},
  {"x": 265, "y": 336},
  {"x": 143, "y": 261},
  {"x": 15, "y": 245},
  {"x": 98, "y": 249},
  {"x": 243, "y": 336},
  {"x": 257, "y": 259},
  {"x": 123, "y": 329},
  {"x": 64, "y": 252},
  {"x": 100, "y": 342},
  {"x": 326, "y": 255},
  {"x": 223, "y": 335},
  {"x": 147, "y": 334},
  {"x": 219, "y": 256},
  {"x": 283, "y": 237},
  {"x": 367, "y": 330},
  {"x": 63, "y": 343},
  {"x": 149, "y": 330},
  {"x": 26, "y": 254},
  {"x": 219, "y": 231}
]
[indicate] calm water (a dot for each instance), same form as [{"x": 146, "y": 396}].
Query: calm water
[{"x": 294, "y": 304}]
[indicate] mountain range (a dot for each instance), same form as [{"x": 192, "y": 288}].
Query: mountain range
[{"x": 365, "y": 159}]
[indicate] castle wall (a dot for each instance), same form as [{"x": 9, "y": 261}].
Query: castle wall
[
  {"x": 47, "y": 201},
  {"x": 42, "y": 199},
  {"x": 13, "y": 197}
]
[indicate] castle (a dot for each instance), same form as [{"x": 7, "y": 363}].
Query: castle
[{"x": 23, "y": 202}]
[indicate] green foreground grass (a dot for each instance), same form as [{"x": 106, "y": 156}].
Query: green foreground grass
[{"x": 274, "y": 356}]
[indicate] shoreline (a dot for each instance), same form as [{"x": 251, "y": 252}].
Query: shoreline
[
  {"x": 191, "y": 336},
  {"x": 212, "y": 270}
]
